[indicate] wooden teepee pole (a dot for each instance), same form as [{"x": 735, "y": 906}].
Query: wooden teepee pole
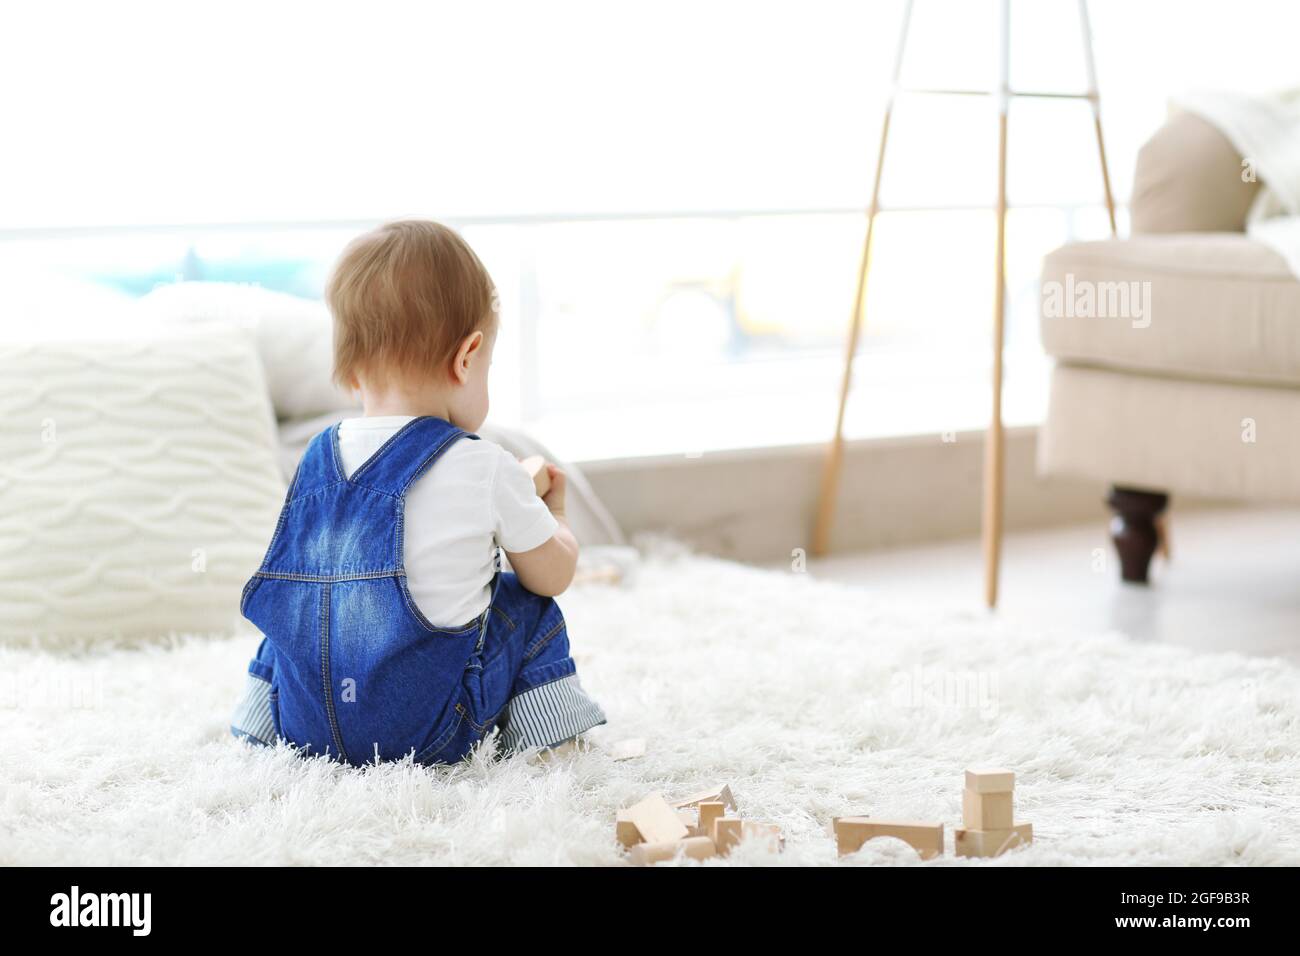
[
  {"x": 834, "y": 457},
  {"x": 1094, "y": 97},
  {"x": 995, "y": 443},
  {"x": 994, "y": 440}
]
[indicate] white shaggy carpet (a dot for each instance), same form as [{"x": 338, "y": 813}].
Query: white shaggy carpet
[{"x": 812, "y": 700}]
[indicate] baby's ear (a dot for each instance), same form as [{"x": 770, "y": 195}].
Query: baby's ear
[{"x": 471, "y": 349}]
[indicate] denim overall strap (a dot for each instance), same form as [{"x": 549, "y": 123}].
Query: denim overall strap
[
  {"x": 319, "y": 467},
  {"x": 405, "y": 456}
]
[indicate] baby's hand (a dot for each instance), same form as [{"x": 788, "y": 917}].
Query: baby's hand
[
  {"x": 548, "y": 569},
  {"x": 554, "y": 497}
]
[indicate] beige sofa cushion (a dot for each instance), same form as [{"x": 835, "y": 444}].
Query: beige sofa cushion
[
  {"x": 1188, "y": 179},
  {"x": 1212, "y": 439},
  {"x": 1218, "y": 306}
]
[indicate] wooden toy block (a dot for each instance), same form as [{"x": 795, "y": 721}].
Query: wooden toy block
[
  {"x": 695, "y": 848},
  {"x": 729, "y": 831},
  {"x": 987, "y": 811},
  {"x": 852, "y": 832},
  {"x": 535, "y": 465},
  {"x": 560, "y": 751},
  {"x": 770, "y": 833},
  {"x": 726, "y": 833},
  {"x": 656, "y": 820},
  {"x": 710, "y": 810},
  {"x": 992, "y": 842},
  {"x": 719, "y": 794},
  {"x": 990, "y": 780},
  {"x": 625, "y": 830},
  {"x": 598, "y": 576},
  {"x": 628, "y": 749}
]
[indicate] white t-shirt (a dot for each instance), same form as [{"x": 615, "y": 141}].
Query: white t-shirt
[{"x": 474, "y": 498}]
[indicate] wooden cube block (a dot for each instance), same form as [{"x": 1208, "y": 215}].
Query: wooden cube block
[
  {"x": 986, "y": 811},
  {"x": 985, "y": 843},
  {"x": 729, "y": 831},
  {"x": 726, "y": 833},
  {"x": 719, "y": 794},
  {"x": 710, "y": 810},
  {"x": 768, "y": 833},
  {"x": 695, "y": 848},
  {"x": 925, "y": 838},
  {"x": 656, "y": 820},
  {"x": 535, "y": 465},
  {"x": 990, "y": 780},
  {"x": 625, "y": 830},
  {"x": 598, "y": 576}
]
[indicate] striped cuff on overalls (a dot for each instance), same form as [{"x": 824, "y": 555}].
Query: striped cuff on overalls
[
  {"x": 252, "y": 717},
  {"x": 549, "y": 714}
]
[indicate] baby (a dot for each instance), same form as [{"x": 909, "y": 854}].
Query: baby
[{"x": 389, "y": 627}]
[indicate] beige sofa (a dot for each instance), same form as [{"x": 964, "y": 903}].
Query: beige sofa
[{"x": 1177, "y": 350}]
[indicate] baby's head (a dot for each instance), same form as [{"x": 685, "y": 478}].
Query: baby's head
[{"x": 415, "y": 320}]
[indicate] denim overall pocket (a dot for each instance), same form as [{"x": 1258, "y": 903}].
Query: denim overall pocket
[
  {"x": 462, "y": 731},
  {"x": 434, "y": 753}
]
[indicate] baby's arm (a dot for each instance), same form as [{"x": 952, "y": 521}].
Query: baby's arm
[{"x": 547, "y": 570}]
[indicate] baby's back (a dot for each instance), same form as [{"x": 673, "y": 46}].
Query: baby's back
[{"x": 475, "y": 498}]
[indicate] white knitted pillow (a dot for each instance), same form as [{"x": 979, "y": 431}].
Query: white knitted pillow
[{"x": 138, "y": 484}]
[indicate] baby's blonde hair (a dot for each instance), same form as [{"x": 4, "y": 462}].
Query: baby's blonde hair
[{"x": 404, "y": 296}]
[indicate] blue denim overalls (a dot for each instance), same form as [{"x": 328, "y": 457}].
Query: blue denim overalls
[{"x": 349, "y": 666}]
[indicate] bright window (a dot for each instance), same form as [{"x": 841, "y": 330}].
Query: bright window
[{"x": 669, "y": 195}]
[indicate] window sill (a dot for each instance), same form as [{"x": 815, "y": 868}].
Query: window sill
[{"x": 793, "y": 403}]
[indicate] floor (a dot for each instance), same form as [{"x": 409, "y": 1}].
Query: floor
[
  {"x": 1233, "y": 583},
  {"x": 1126, "y": 753}
]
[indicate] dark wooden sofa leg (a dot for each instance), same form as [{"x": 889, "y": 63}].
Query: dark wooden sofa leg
[{"x": 1133, "y": 529}]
